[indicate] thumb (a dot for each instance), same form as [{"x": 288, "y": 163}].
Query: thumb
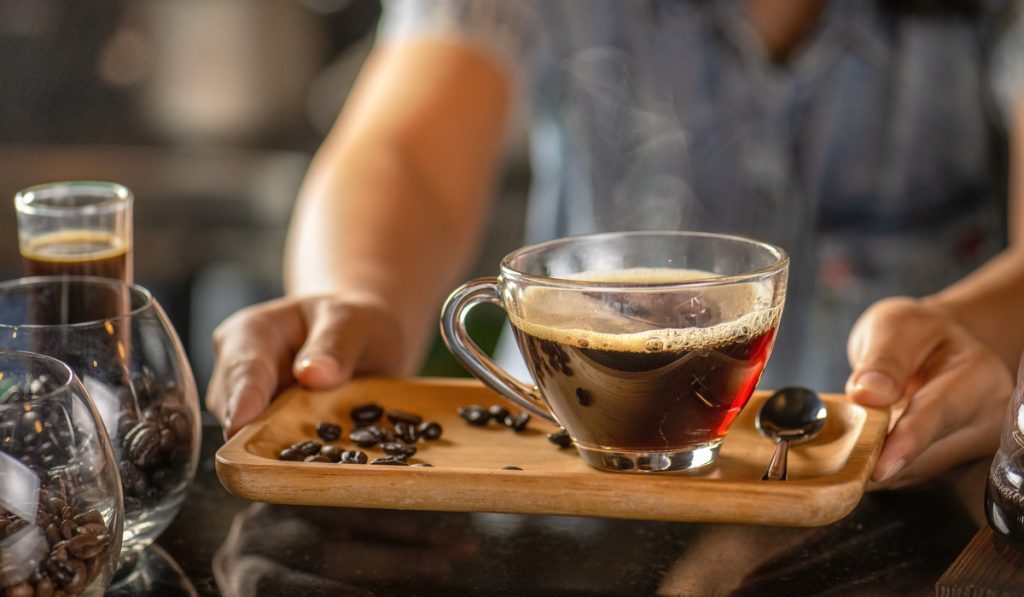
[
  {"x": 340, "y": 342},
  {"x": 887, "y": 348}
]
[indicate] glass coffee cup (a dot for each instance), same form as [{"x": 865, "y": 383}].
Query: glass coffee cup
[{"x": 644, "y": 346}]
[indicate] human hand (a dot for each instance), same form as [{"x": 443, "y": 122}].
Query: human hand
[
  {"x": 318, "y": 341},
  {"x": 948, "y": 391}
]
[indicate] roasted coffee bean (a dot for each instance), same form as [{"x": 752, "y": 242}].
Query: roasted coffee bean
[
  {"x": 151, "y": 414},
  {"x": 328, "y": 432},
  {"x": 364, "y": 437},
  {"x": 424, "y": 465},
  {"x": 85, "y": 546},
  {"x": 332, "y": 453},
  {"x": 96, "y": 528},
  {"x": 178, "y": 424},
  {"x": 291, "y": 454},
  {"x": 52, "y": 534},
  {"x": 60, "y": 571},
  {"x": 317, "y": 458},
  {"x": 497, "y": 412},
  {"x": 77, "y": 584},
  {"x": 67, "y": 529},
  {"x": 20, "y": 590},
  {"x": 583, "y": 397},
  {"x": 353, "y": 457},
  {"x": 308, "y": 448},
  {"x": 390, "y": 460},
  {"x": 517, "y": 422},
  {"x": 45, "y": 588},
  {"x": 89, "y": 516},
  {"x": 560, "y": 438},
  {"x": 511, "y": 468},
  {"x": 397, "y": 448},
  {"x": 474, "y": 415},
  {"x": 93, "y": 567},
  {"x": 16, "y": 526},
  {"x": 167, "y": 440},
  {"x": 401, "y": 416},
  {"x": 406, "y": 432},
  {"x": 133, "y": 478},
  {"x": 125, "y": 423},
  {"x": 430, "y": 430},
  {"x": 144, "y": 450},
  {"x": 367, "y": 413},
  {"x": 139, "y": 428}
]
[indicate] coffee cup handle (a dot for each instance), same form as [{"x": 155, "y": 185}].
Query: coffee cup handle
[{"x": 469, "y": 354}]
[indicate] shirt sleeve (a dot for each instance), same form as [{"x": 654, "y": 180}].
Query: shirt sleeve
[
  {"x": 504, "y": 29},
  {"x": 1008, "y": 64}
]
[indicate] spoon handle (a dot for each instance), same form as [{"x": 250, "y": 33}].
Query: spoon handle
[{"x": 776, "y": 470}]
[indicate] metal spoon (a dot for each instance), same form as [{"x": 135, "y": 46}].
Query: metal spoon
[{"x": 791, "y": 415}]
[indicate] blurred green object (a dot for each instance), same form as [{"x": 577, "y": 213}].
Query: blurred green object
[{"x": 484, "y": 325}]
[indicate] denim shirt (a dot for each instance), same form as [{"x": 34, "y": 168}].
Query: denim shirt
[{"x": 875, "y": 156}]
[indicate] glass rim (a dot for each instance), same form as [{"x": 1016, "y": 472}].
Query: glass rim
[
  {"x": 135, "y": 289},
  {"x": 510, "y": 272},
  {"x": 66, "y": 382},
  {"x": 111, "y": 197}
]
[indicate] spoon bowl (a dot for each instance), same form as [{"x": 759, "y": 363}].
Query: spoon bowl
[{"x": 790, "y": 415}]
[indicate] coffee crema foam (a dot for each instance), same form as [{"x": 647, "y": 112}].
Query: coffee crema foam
[
  {"x": 72, "y": 245},
  {"x": 560, "y": 315}
]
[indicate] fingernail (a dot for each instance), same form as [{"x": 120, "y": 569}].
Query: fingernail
[
  {"x": 893, "y": 470},
  {"x": 874, "y": 382},
  {"x": 319, "y": 371},
  {"x": 317, "y": 362}
]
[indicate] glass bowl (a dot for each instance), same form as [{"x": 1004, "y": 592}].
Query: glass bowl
[
  {"x": 60, "y": 498},
  {"x": 119, "y": 342}
]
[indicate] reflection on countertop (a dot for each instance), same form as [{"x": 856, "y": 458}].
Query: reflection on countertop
[{"x": 894, "y": 543}]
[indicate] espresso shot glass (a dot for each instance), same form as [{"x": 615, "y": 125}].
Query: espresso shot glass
[
  {"x": 76, "y": 228},
  {"x": 644, "y": 346}
]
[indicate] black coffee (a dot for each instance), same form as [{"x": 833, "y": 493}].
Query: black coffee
[
  {"x": 78, "y": 253},
  {"x": 672, "y": 385}
]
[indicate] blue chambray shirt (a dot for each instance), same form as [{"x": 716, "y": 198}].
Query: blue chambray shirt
[{"x": 875, "y": 156}]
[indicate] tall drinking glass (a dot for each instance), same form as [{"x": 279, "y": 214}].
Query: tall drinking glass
[{"x": 76, "y": 228}]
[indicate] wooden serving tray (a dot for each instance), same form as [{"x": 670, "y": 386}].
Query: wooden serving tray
[{"x": 827, "y": 475}]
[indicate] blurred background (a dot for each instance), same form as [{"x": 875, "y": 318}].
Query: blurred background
[{"x": 209, "y": 110}]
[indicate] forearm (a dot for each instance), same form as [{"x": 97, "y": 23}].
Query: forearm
[
  {"x": 392, "y": 208},
  {"x": 369, "y": 229},
  {"x": 988, "y": 304}
]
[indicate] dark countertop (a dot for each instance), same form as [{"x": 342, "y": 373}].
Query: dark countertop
[{"x": 894, "y": 543}]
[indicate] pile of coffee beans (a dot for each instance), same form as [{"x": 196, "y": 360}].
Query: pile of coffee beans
[
  {"x": 54, "y": 545},
  {"x": 397, "y": 441},
  {"x": 479, "y": 416},
  {"x": 59, "y": 553},
  {"x": 155, "y": 442},
  {"x": 39, "y": 437}
]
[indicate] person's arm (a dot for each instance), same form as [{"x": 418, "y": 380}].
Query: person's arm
[
  {"x": 387, "y": 221},
  {"x": 989, "y": 302},
  {"x": 946, "y": 362},
  {"x": 392, "y": 208}
]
